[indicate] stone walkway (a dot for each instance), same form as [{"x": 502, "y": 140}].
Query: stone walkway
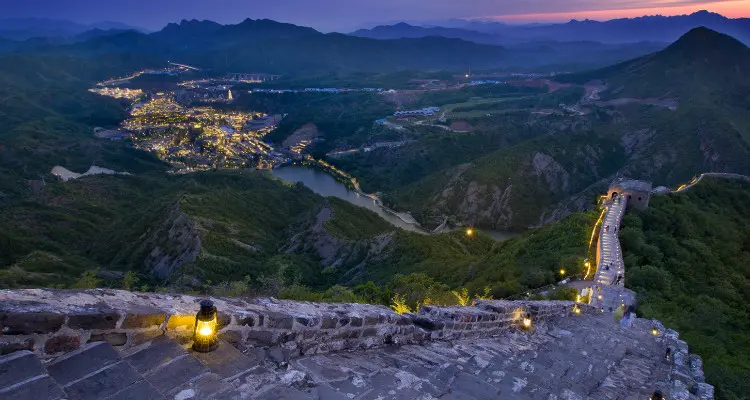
[
  {"x": 609, "y": 280},
  {"x": 584, "y": 357}
]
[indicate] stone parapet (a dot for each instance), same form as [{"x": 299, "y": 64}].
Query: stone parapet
[{"x": 53, "y": 322}]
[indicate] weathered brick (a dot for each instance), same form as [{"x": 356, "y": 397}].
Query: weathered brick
[
  {"x": 354, "y": 333},
  {"x": 231, "y": 336},
  {"x": 356, "y": 321},
  {"x": 143, "y": 320},
  {"x": 30, "y": 323},
  {"x": 429, "y": 324},
  {"x": 369, "y": 332},
  {"x": 344, "y": 321},
  {"x": 61, "y": 344},
  {"x": 264, "y": 338},
  {"x": 137, "y": 338},
  {"x": 371, "y": 320},
  {"x": 175, "y": 321},
  {"x": 113, "y": 338},
  {"x": 287, "y": 337},
  {"x": 93, "y": 321},
  {"x": 309, "y": 334},
  {"x": 280, "y": 321},
  {"x": 329, "y": 323},
  {"x": 7, "y": 346},
  {"x": 223, "y": 319},
  {"x": 246, "y": 321}
]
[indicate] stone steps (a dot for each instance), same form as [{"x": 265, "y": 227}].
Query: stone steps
[
  {"x": 23, "y": 377},
  {"x": 156, "y": 370},
  {"x": 582, "y": 357}
]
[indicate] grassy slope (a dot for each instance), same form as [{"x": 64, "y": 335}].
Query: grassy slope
[{"x": 688, "y": 257}]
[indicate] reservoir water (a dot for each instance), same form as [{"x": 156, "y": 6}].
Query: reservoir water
[{"x": 326, "y": 185}]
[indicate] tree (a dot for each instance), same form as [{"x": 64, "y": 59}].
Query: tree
[
  {"x": 130, "y": 280},
  {"x": 88, "y": 280}
]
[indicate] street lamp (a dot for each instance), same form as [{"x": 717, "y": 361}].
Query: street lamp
[{"x": 204, "y": 336}]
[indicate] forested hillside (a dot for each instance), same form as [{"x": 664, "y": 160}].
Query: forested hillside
[{"x": 688, "y": 258}]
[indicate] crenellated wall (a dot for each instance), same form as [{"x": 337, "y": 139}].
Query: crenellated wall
[{"x": 53, "y": 322}]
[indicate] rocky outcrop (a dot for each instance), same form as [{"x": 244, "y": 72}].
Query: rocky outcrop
[
  {"x": 348, "y": 256},
  {"x": 173, "y": 244}
]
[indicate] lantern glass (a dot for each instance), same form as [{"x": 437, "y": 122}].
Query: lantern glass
[{"x": 206, "y": 323}]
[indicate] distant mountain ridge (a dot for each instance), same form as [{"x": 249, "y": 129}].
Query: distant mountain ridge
[
  {"x": 25, "y": 28},
  {"x": 404, "y": 30},
  {"x": 284, "y": 48},
  {"x": 703, "y": 65},
  {"x": 268, "y": 45},
  {"x": 624, "y": 30}
]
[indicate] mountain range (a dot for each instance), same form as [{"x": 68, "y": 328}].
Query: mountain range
[
  {"x": 625, "y": 30},
  {"x": 25, "y": 28},
  {"x": 661, "y": 117},
  {"x": 265, "y": 45}
]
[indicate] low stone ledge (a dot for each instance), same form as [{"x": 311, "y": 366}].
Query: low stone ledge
[{"x": 52, "y": 322}]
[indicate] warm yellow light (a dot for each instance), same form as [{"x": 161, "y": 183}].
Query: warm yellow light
[
  {"x": 469, "y": 232},
  {"x": 206, "y": 324},
  {"x": 562, "y": 271},
  {"x": 577, "y": 310},
  {"x": 205, "y": 330},
  {"x": 599, "y": 297},
  {"x": 654, "y": 331},
  {"x": 527, "y": 322}
]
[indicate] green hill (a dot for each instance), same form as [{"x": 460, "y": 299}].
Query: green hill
[
  {"x": 688, "y": 258},
  {"x": 533, "y": 169},
  {"x": 703, "y": 67}
]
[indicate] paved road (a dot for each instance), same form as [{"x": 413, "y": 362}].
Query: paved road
[{"x": 609, "y": 281}]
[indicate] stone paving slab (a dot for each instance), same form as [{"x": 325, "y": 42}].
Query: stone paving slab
[
  {"x": 38, "y": 388},
  {"x": 86, "y": 360},
  {"x": 19, "y": 367},
  {"x": 141, "y": 390},
  {"x": 104, "y": 383}
]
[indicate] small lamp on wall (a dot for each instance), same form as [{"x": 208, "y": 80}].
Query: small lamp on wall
[
  {"x": 206, "y": 324},
  {"x": 527, "y": 321}
]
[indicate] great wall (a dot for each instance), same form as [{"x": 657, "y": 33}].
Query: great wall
[{"x": 113, "y": 344}]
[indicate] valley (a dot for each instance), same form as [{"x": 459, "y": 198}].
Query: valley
[{"x": 389, "y": 166}]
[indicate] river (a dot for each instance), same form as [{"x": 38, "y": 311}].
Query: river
[{"x": 324, "y": 184}]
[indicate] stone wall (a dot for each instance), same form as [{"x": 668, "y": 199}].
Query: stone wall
[{"x": 53, "y": 322}]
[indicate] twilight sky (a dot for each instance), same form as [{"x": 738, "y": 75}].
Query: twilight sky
[{"x": 347, "y": 15}]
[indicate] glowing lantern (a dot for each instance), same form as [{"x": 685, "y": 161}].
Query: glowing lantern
[
  {"x": 469, "y": 232},
  {"x": 206, "y": 324},
  {"x": 562, "y": 271},
  {"x": 576, "y": 309},
  {"x": 527, "y": 321},
  {"x": 655, "y": 332}
]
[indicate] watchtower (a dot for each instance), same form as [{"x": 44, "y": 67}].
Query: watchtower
[{"x": 637, "y": 192}]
